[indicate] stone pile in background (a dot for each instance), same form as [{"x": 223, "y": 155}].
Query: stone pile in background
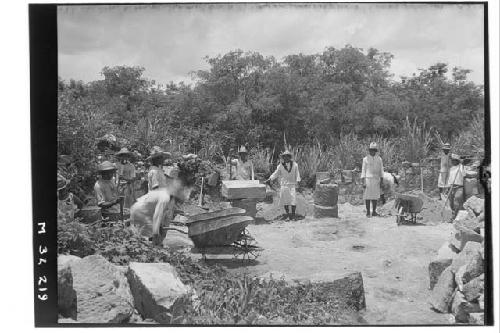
[{"x": 456, "y": 274}]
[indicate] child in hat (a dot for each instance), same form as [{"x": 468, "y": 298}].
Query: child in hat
[
  {"x": 444, "y": 169},
  {"x": 289, "y": 176},
  {"x": 106, "y": 191}
]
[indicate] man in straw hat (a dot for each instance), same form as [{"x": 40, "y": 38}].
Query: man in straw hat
[
  {"x": 153, "y": 211},
  {"x": 156, "y": 175},
  {"x": 244, "y": 167},
  {"x": 456, "y": 185},
  {"x": 106, "y": 191},
  {"x": 126, "y": 176},
  {"x": 444, "y": 169},
  {"x": 289, "y": 176},
  {"x": 372, "y": 175}
]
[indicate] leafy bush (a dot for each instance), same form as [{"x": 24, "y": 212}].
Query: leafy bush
[
  {"x": 74, "y": 238},
  {"x": 414, "y": 141}
]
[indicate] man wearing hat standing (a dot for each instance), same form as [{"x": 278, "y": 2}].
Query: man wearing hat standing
[
  {"x": 444, "y": 170},
  {"x": 288, "y": 173},
  {"x": 244, "y": 167},
  {"x": 126, "y": 176},
  {"x": 372, "y": 175},
  {"x": 106, "y": 191},
  {"x": 156, "y": 175},
  {"x": 456, "y": 185}
]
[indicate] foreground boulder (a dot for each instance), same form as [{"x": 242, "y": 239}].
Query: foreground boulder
[
  {"x": 474, "y": 289},
  {"x": 436, "y": 267},
  {"x": 476, "y": 318},
  {"x": 442, "y": 294},
  {"x": 473, "y": 269},
  {"x": 157, "y": 291},
  {"x": 103, "y": 294},
  {"x": 470, "y": 250},
  {"x": 66, "y": 295},
  {"x": 475, "y": 204},
  {"x": 461, "y": 308}
]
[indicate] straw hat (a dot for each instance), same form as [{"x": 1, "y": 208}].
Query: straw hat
[
  {"x": 373, "y": 146},
  {"x": 106, "y": 166},
  {"x": 157, "y": 151},
  {"x": 242, "y": 150},
  {"x": 124, "y": 152},
  {"x": 286, "y": 152},
  {"x": 61, "y": 182},
  {"x": 446, "y": 146}
]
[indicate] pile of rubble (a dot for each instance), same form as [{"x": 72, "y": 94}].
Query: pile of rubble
[
  {"x": 93, "y": 290},
  {"x": 456, "y": 274}
]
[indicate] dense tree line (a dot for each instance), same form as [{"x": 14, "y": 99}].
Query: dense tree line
[{"x": 244, "y": 97}]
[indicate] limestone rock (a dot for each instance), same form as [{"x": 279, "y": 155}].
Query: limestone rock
[
  {"x": 66, "y": 259},
  {"x": 474, "y": 288},
  {"x": 475, "y": 204},
  {"x": 243, "y": 189},
  {"x": 472, "y": 224},
  {"x": 461, "y": 308},
  {"x": 442, "y": 294},
  {"x": 102, "y": 290},
  {"x": 158, "y": 292},
  {"x": 462, "y": 215},
  {"x": 469, "y": 271},
  {"x": 470, "y": 250},
  {"x": 66, "y": 295},
  {"x": 476, "y": 318},
  {"x": 436, "y": 267}
]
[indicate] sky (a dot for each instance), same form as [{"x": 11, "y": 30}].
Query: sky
[{"x": 170, "y": 41}]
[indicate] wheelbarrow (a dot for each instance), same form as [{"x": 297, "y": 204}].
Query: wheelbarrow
[
  {"x": 223, "y": 232},
  {"x": 407, "y": 206}
]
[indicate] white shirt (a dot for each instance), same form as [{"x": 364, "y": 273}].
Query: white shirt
[
  {"x": 456, "y": 176},
  {"x": 244, "y": 170},
  {"x": 287, "y": 178},
  {"x": 372, "y": 167}
]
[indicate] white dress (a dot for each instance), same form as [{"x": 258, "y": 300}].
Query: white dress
[
  {"x": 288, "y": 183},
  {"x": 372, "y": 170}
]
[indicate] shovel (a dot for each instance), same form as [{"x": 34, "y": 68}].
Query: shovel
[{"x": 200, "y": 200}]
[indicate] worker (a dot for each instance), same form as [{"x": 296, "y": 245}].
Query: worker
[
  {"x": 455, "y": 184},
  {"x": 153, "y": 211},
  {"x": 244, "y": 167},
  {"x": 289, "y": 176},
  {"x": 126, "y": 176},
  {"x": 444, "y": 169},
  {"x": 156, "y": 175},
  {"x": 389, "y": 183},
  {"x": 106, "y": 191},
  {"x": 68, "y": 204},
  {"x": 372, "y": 175}
]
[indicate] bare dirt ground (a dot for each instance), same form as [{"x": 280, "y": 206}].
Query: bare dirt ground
[{"x": 393, "y": 260}]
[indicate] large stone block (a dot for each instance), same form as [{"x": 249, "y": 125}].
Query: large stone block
[
  {"x": 66, "y": 295},
  {"x": 326, "y": 195},
  {"x": 471, "y": 270},
  {"x": 476, "y": 318},
  {"x": 473, "y": 289},
  {"x": 442, "y": 294},
  {"x": 475, "y": 204},
  {"x": 470, "y": 250},
  {"x": 102, "y": 290},
  {"x": 436, "y": 267},
  {"x": 460, "y": 238},
  {"x": 243, "y": 189},
  {"x": 461, "y": 308},
  {"x": 158, "y": 292}
]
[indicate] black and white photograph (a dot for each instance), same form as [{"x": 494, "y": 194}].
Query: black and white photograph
[{"x": 262, "y": 164}]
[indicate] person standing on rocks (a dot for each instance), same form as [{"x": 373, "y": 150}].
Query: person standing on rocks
[
  {"x": 288, "y": 173},
  {"x": 456, "y": 185},
  {"x": 444, "y": 170},
  {"x": 372, "y": 175},
  {"x": 126, "y": 176},
  {"x": 244, "y": 167}
]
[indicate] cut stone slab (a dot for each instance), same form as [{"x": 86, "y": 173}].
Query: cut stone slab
[
  {"x": 103, "y": 294},
  {"x": 66, "y": 259},
  {"x": 243, "y": 189},
  {"x": 476, "y": 318},
  {"x": 474, "y": 288},
  {"x": 461, "y": 308},
  {"x": 442, "y": 294},
  {"x": 470, "y": 250},
  {"x": 66, "y": 295},
  {"x": 158, "y": 292},
  {"x": 475, "y": 204},
  {"x": 436, "y": 267},
  {"x": 324, "y": 211}
]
